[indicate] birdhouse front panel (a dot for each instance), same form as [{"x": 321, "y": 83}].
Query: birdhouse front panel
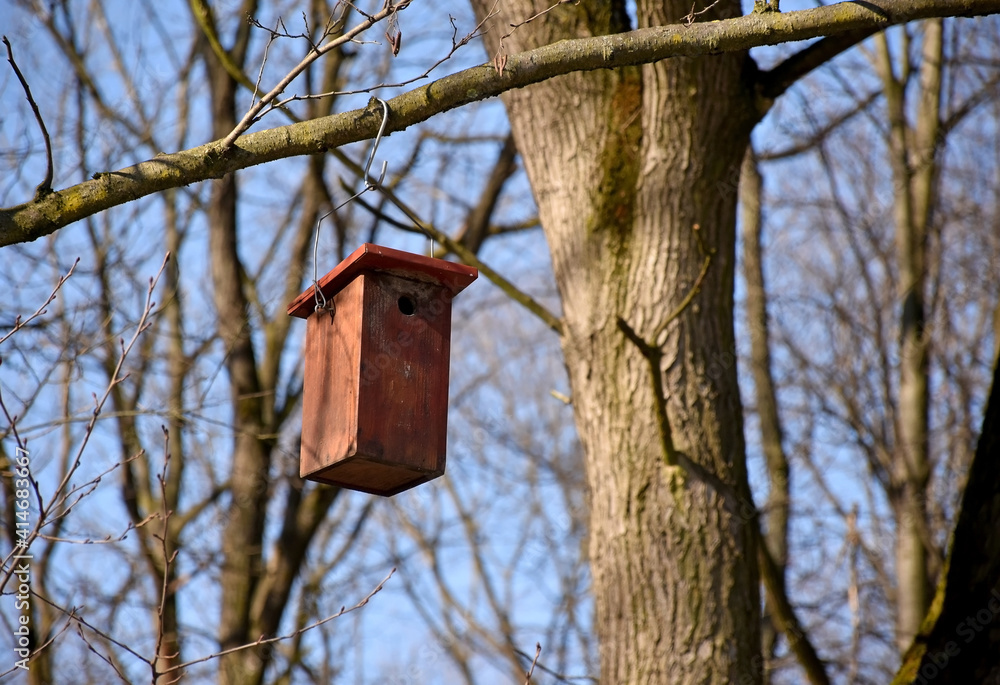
[
  {"x": 406, "y": 343},
  {"x": 375, "y": 391}
]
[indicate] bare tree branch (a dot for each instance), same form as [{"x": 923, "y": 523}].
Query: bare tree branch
[
  {"x": 45, "y": 186},
  {"x": 300, "y": 631},
  {"x": 314, "y": 54},
  {"x": 19, "y": 323},
  {"x": 776, "y": 81},
  {"x": 41, "y": 217}
]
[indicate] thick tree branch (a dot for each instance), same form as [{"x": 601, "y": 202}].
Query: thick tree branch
[
  {"x": 203, "y": 16},
  {"x": 775, "y": 82},
  {"x": 469, "y": 257},
  {"x": 820, "y": 135},
  {"x": 784, "y": 615},
  {"x": 477, "y": 221},
  {"x": 43, "y": 216}
]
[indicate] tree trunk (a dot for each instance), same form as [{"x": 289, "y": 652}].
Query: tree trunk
[
  {"x": 913, "y": 154},
  {"x": 635, "y": 172},
  {"x": 959, "y": 641},
  {"x": 243, "y": 533},
  {"x": 778, "y": 505}
]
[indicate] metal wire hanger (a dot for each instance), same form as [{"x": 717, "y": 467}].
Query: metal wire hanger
[{"x": 370, "y": 184}]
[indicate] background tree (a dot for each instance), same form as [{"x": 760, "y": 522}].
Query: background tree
[{"x": 843, "y": 373}]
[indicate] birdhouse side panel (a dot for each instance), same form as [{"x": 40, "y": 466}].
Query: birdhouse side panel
[
  {"x": 403, "y": 405},
  {"x": 331, "y": 382}
]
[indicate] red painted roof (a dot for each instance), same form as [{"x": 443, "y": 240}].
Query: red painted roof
[{"x": 371, "y": 257}]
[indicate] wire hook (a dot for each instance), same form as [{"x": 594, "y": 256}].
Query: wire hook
[
  {"x": 321, "y": 301},
  {"x": 369, "y": 183}
]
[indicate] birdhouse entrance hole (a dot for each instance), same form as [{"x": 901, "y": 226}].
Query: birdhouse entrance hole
[
  {"x": 375, "y": 386},
  {"x": 406, "y": 306}
]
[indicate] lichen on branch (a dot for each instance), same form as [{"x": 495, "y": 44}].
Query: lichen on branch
[{"x": 46, "y": 214}]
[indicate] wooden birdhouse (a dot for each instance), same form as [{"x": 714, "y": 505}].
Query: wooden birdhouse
[{"x": 375, "y": 395}]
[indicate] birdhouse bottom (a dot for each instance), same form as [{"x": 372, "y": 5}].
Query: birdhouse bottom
[{"x": 375, "y": 395}]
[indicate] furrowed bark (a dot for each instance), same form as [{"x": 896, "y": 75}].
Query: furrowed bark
[{"x": 635, "y": 172}]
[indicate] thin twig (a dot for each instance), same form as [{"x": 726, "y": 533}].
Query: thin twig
[
  {"x": 688, "y": 18},
  {"x": 107, "y": 539},
  {"x": 168, "y": 559},
  {"x": 314, "y": 53},
  {"x": 72, "y": 615},
  {"x": 500, "y": 58},
  {"x": 456, "y": 44},
  {"x": 45, "y": 187},
  {"x": 52, "y": 637},
  {"x": 63, "y": 493},
  {"x": 19, "y": 324},
  {"x": 538, "y": 652},
  {"x": 560, "y": 677},
  {"x": 263, "y": 61},
  {"x": 289, "y": 636},
  {"x": 116, "y": 376},
  {"x": 103, "y": 657},
  {"x": 686, "y": 302}
]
